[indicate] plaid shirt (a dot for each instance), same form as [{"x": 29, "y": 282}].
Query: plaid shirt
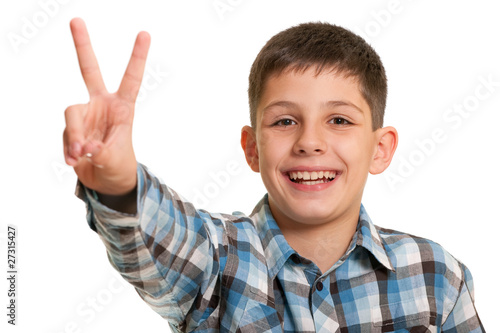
[{"x": 209, "y": 272}]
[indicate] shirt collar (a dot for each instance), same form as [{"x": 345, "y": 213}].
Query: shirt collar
[
  {"x": 369, "y": 238},
  {"x": 277, "y": 250}
]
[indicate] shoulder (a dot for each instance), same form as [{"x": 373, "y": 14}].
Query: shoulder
[
  {"x": 413, "y": 255},
  {"x": 236, "y": 225},
  {"x": 428, "y": 269},
  {"x": 415, "y": 249},
  {"x": 236, "y": 232}
]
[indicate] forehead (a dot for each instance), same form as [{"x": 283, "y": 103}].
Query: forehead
[{"x": 311, "y": 88}]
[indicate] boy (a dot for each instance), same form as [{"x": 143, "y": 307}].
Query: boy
[{"x": 308, "y": 258}]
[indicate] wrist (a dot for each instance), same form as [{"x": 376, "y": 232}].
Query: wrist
[
  {"x": 117, "y": 181},
  {"x": 124, "y": 203}
]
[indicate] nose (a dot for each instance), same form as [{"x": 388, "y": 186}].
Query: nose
[{"x": 310, "y": 141}]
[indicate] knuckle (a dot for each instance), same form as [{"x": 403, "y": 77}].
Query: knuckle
[
  {"x": 70, "y": 109},
  {"x": 75, "y": 108}
]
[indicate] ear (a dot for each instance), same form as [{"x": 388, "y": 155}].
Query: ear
[
  {"x": 387, "y": 141},
  {"x": 249, "y": 145}
]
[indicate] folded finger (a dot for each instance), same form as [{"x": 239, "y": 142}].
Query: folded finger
[
  {"x": 74, "y": 132},
  {"x": 67, "y": 157}
]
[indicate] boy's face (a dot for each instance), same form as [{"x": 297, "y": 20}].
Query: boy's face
[{"x": 314, "y": 146}]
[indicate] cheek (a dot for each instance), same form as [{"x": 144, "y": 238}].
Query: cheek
[
  {"x": 355, "y": 152},
  {"x": 272, "y": 151},
  {"x": 263, "y": 149},
  {"x": 270, "y": 146}
]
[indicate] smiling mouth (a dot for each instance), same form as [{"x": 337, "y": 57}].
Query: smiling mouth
[{"x": 311, "y": 178}]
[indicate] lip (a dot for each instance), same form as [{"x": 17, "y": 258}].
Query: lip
[
  {"x": 310, "y": 168},
  {"x": 310, "y": 188}
]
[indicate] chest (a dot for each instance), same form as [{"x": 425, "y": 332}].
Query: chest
[{"x": 297, "y": 301}]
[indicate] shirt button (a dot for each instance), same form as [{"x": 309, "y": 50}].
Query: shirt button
[{"x": 319, "y": 286}]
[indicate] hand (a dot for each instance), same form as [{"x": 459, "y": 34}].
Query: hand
[{"x": 98, "y": 135}]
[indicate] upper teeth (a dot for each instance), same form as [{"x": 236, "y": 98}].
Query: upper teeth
[{"x": 306, "y": 175}]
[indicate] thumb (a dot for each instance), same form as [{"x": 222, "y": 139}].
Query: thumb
[
  {"x": 110, "y": 150},
  {"x": 95, "y": 153}
]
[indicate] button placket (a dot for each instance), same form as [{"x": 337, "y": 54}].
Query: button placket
[{"x": 322, "y": 307}]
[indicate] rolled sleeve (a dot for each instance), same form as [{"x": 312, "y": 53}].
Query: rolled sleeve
[
  {"x": 96, "y": 211},
  {"x": 168, "y": 250}
]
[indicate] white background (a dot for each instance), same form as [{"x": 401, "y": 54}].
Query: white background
[{"x": 188, "y": 125}]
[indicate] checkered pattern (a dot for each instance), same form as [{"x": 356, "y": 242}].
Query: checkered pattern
[{"x": 209, "y": 272}]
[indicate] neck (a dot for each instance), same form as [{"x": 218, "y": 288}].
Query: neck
[{"x": 325, "y": 243}]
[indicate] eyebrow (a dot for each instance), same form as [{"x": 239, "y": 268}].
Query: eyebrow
[
  {"x": 329, "y": 104},
  {"x": 332, "y": 104},
  {"x": 284, "y": 104}
]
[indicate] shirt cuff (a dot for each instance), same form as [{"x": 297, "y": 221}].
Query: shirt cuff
[{"x": 99, "y": 213}]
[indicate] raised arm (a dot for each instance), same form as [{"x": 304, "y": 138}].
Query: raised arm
[
  {"x": 98, "y": 135},
  {"x": 166, "y": 249}
]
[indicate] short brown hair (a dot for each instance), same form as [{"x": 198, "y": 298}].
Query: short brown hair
[{"x": 324, "y": 46}]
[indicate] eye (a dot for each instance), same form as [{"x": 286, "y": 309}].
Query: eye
[
  {"x": 284, "y": 122},
  {"x": 340, "y": 121}
]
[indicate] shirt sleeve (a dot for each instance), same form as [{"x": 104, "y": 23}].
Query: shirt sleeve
[
  {"x": 464, "y": 317},
  {"x": 168, "y": 250}
]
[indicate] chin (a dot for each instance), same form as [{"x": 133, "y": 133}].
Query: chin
[{"x": 312, "y": 214}]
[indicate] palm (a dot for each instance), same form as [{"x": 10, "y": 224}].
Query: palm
[{"x": 98, "y": 135}]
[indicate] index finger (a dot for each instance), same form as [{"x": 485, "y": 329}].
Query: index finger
[{"x": 86, "y": 57}]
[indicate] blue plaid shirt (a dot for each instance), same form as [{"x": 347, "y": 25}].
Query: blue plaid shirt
[{"x": 208, "y": 272}]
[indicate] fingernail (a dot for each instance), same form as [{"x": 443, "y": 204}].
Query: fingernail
[{"x": 75, "y": 149}]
